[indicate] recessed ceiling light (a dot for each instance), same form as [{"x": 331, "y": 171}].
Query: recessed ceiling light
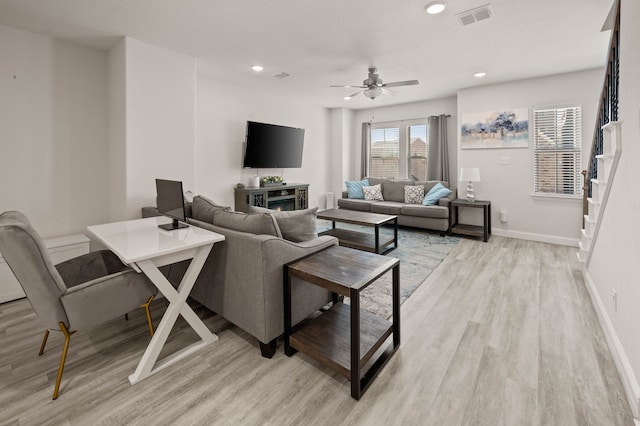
[
  {"x": 435, "y": 7},
  {"x": 347, "y": 98},
  {"x": 479, "y": 74},
  {"x": 257, "y": 67}
]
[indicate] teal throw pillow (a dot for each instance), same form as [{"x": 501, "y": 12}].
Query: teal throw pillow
[
  {"x": 354, "y": 188},
  {"x": 438, "y": 191}
]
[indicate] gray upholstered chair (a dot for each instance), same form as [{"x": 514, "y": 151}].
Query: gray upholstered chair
[{"x": 80, "y": 293}]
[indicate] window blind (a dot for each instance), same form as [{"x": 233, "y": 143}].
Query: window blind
[
  {"x": 557, "y": 145},
  {"x": 384, "y": 153}
]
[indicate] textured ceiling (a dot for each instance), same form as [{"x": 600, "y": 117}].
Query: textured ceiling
[{"x": 334, "y": 41}]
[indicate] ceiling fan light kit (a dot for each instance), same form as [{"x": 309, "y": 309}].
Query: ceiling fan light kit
[{"x": 373, "y": 86}]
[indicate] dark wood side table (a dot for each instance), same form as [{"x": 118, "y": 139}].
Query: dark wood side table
[
  {"x": 344, "y": 337},
  {"x": 464, "y": 229}
]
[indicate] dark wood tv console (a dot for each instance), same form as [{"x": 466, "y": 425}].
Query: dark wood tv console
[{"x": 294, "y": 196}]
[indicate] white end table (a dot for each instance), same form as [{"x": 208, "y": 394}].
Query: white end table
[{"x": 145, "y": 247}]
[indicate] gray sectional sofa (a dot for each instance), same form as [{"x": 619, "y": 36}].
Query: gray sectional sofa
[
  {"x": 242, "y": 277},
  {"x": 415, "y": 215}
]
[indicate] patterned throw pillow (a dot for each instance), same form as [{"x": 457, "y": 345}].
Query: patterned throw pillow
[
  {"x": 413, "y": 194},
  {"x": 373, "y": 193}
]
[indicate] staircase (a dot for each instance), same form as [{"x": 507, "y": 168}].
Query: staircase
[{"x": 607, "y": 163}]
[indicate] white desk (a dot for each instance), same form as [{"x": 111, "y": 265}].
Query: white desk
[{"x": 145, "y": 247}]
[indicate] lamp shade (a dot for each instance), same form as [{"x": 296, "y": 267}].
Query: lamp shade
[{"x": 470, "y": 174}]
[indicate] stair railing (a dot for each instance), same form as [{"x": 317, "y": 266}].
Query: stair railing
[{"x": 607, "y": 109}]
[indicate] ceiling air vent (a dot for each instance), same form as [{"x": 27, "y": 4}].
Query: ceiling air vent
[{"x": 475, "y": 15}]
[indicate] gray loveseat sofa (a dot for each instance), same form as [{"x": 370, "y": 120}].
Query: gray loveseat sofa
[
  {"x": 241, "y": 279},
  {"x": 415, "y": 215}
]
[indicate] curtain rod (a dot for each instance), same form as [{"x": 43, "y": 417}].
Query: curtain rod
[{"x": 372, "y": 120}]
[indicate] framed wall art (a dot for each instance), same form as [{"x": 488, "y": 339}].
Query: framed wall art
[{"x": 508, "y": 128}]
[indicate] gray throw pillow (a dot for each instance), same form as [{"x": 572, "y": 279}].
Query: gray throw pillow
[
  {"x": 203, "y": 208},
  {"x": 295, "y": 225},
  {"x": 258, "y": 223}
]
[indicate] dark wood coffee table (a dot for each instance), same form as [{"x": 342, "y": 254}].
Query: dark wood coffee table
[
  {"x": 361, "y": 240},
  {"x": 344, "y": 337}
]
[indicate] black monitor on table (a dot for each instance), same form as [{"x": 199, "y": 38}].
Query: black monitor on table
[{"x": 170, "y": 199}]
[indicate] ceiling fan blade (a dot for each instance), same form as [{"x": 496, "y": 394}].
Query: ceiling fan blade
[
  {"x": 351, "y": 87},
  {"x": 355, "y": 94},
  {"x": 388, "y": 91},
  {"x": 401, "y": 83}
]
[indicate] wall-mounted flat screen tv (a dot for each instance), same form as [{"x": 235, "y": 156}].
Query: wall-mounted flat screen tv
[{"x": 269, "y": 146}]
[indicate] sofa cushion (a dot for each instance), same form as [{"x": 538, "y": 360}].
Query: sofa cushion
[
  {"x": 375, "y": 181},
  {"x": 203, "y": 209},
  {"x": 354, "y": 188},
  {"x": 360, "y": 205},
  {"x": 295, "y": 225},
  {"x": 438, "y": 191},
  {"x": 373, "y": 193},
  {"x": 256, "y": 223},
  {"x": 435, "y": 212},
  {"x": 413, "y": 194},
  {"x": 393, "y": 190},
  {"x": 387, "y": 207}
]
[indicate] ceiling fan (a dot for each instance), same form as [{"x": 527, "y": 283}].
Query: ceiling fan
[{"x": 374, "y": 87}]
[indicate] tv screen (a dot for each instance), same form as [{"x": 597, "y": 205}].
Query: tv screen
[
  {"x": 170, "y": 199},
  {"x": 270, "y": 146}
]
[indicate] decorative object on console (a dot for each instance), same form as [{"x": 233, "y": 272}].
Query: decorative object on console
[
  {"x": 469, "y": 175},
  {"x": 254, "y": 181},
  {"x": 373, "y": 193},
  {"x": 271, "y": 181}
]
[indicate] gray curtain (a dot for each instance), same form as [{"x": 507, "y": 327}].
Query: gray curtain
[
  {"x": 364, "y": 155},
  {"x": 438, "y": 157}
]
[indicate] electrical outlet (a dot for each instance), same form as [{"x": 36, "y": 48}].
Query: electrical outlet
[{"x": 614, "y": 296}]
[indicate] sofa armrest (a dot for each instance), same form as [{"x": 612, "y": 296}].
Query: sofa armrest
[
  {"x": 345, "y": 194},
  {"x": 444, "y": 202}
]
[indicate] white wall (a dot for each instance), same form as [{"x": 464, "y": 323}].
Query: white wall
[
  {"x": 509, "y": 187},
  {"x": 407, "y": 111},
  {"x": 53, "y": 132},
  {"x": 160, "y": 121},
  {"x": 222, "y": 113},
  {"x": 341, "y": 139},
  {"x": 614, "y": 262},
  {"x": 117, "y": 134}
]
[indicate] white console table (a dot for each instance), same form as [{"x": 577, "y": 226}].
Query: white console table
[
  {"x": 145, "y": 247},
  {"x": 60, "y": 249}
]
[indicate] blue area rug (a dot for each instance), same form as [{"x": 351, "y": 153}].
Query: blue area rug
[{"x": 419, "y": 251}]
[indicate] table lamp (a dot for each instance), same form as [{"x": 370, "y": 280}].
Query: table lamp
[{"x": 470, "y": 174}]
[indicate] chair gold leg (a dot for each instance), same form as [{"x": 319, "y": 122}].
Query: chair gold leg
[
  {"x": 44, "y": 341},
  {"x": 126, "y": 317},
  {"x": 67, "y": 339},
  {"x": 148, "y": 312}
]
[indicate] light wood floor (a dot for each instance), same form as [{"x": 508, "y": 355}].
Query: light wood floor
[{"x": 502, "y": 333}]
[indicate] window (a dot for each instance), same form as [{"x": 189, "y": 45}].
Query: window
[
  {"x": 418, "y": 150},
  {"x": 557, "y": 143},
  {"x": 398, "y": 150},
  {"x": 384, "y": 153}
]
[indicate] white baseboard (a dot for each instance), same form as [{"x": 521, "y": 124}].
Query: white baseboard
[
  {"x": 542, "y": 238},
  {"x": 631, "y": 388}
]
